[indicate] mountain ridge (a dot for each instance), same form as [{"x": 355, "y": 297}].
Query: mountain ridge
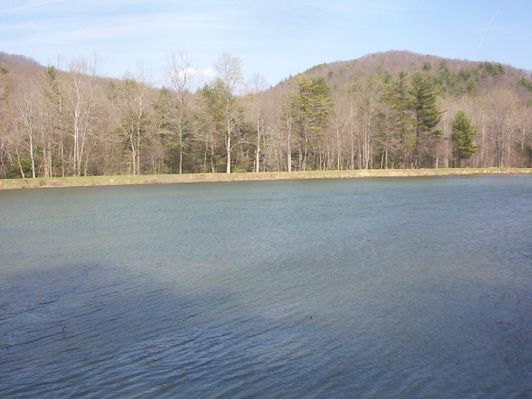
[{"x": 393, "y": 61}]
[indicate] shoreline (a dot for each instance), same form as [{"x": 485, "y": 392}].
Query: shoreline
[{"x": 93, "y": 181}]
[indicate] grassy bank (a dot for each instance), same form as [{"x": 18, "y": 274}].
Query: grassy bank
[{"x": 222, "y": 177}]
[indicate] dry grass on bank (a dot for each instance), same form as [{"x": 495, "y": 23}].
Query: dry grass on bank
[{"x": 223, "y": 177}]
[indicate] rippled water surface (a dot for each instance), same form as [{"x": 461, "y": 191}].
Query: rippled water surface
[{"x": 356, "y": 288}]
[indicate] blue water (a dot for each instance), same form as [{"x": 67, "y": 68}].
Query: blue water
[{"x": 355, "y": 288}]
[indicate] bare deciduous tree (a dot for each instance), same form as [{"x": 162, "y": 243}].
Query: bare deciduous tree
[{"x": 229, "y": 69}]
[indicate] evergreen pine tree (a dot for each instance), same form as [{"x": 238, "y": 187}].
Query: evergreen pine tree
[
  {"x": 313, "y": 106},
  {"x": 462, "y": 135},
  {"x": 396, "y": 96},
  {"x": 425, "y": 109}
]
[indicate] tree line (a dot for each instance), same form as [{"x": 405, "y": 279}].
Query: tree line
[{"x": 56, "y": 123}]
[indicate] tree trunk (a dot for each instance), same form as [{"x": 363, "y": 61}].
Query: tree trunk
[
  {"x": 62, "y": 159},
  {"x": 228, "y": 165},
  {"x": 289, "y": 145},
  {"x": 138, "y": 150},
  {"x": 32, "y": 156},
  {"x": 19, "y": 164},
  {"x": 338, "y": 148},
  {"x": 257, "y": 151},
  {"x": 180, "y": 156}
]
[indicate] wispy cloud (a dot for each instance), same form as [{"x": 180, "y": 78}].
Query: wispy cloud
[
  {"x": 27, "y": 6},
  {"x": 276, "y": 38},
  {"x": 489, "y": 26},
  {"x": 113, "y": 28}
]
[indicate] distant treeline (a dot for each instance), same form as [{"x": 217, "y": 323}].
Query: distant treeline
[{"x": 56, "y": 123}]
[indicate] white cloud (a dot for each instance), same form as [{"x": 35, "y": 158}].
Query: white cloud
[{"x": 197, "y": 76}]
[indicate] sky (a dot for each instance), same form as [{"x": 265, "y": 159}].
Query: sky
[{"x": 274, "y": 38}]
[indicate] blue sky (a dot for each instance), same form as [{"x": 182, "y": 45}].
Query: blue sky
[{"x": 275, "y": 38}]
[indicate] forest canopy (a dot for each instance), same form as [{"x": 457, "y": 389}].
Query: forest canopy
[{"x": 387, "y": 110}]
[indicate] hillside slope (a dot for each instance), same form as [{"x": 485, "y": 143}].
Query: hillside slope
[{"x": 466, "y": 76}]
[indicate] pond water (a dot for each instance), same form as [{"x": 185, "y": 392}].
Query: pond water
[{"x": 354, "y": 288}]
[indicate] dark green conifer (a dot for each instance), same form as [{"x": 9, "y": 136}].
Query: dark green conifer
[{"x": 463, "y": 134}]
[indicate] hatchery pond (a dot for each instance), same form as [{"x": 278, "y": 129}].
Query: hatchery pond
[{"x": 413, "y": 287}]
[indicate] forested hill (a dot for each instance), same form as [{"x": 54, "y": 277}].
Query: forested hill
[
  {"x": 456, "y": 77},
  {"x": 19, "y": 63},
  {"x": 395, "y": 109}
]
